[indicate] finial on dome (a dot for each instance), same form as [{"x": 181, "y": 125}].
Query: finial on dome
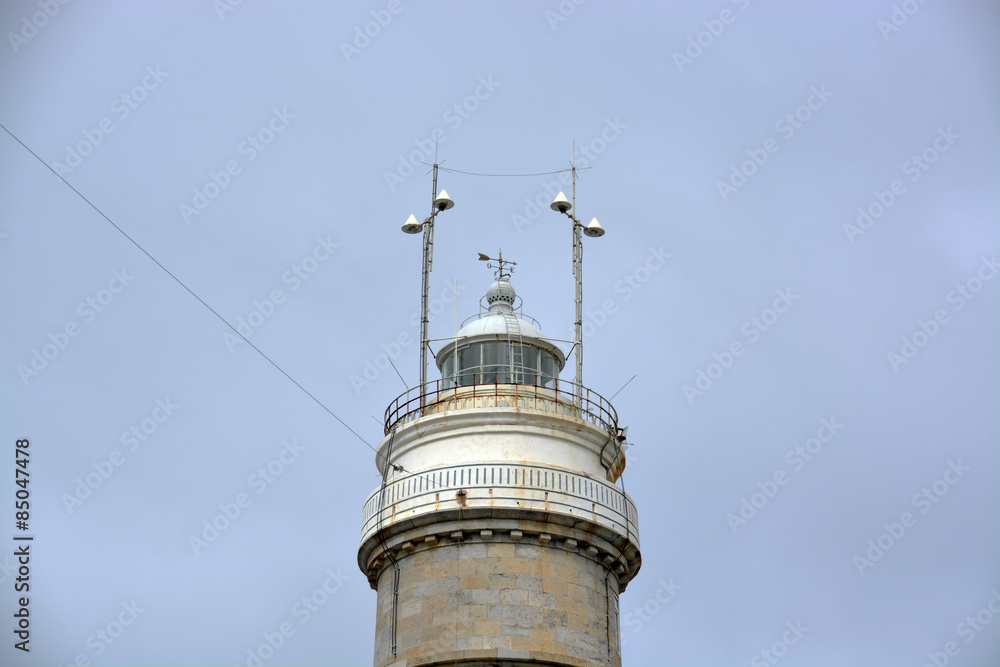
[{"x": 500, "y": 296}]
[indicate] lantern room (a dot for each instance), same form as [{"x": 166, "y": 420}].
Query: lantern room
[{"x": 501, "y": 346}]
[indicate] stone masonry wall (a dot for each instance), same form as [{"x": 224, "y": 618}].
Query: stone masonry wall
[{"x": 497, "y": 603}]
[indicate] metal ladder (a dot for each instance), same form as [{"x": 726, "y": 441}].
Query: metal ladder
[{"x": 515, "y": 352}]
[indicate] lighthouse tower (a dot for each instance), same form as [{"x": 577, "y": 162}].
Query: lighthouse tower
[{"x": 498, "y": 536}]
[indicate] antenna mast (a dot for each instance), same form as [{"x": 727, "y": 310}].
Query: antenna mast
[
  {"x": 594, "y": 229},
  {"x": 441, "y": 202},
  {"x": 578, "y": 272},
  {"x": 425, "y": 285}
]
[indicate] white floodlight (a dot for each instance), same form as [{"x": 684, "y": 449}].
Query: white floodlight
[
  {"x": 594, "y": 228},
  {"x": 443, "y": 201},
  {"x": 412, "y": 226},
  {"x": 561, "y": 204}
]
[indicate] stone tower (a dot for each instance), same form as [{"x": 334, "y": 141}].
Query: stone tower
[{"x": 498, "y": 536}]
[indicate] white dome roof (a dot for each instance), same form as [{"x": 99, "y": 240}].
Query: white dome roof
[
  {"x": 501, "y": 323},
  {"x": 495, "y": 323},
  {"x": 501, "y": 317}
]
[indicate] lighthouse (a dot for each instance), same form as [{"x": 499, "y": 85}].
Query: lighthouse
[{"x": 498, "y": 536}]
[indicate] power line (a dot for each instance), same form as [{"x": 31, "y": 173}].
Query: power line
[
  {"x": 179, "y": 282},
  {"x": 472, "y": 173}
]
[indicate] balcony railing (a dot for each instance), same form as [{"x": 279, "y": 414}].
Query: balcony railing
[
  {"x": 501, "y": 486},
  {"x": 562, "y": 398}
]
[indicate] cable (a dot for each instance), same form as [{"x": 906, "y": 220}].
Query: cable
[
  {"x": 178, "y": 281},
  {"x": 472, "y": 173}
]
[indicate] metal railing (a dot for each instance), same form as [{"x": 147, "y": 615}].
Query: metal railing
[
  {"x": 563, "y": 398},
  {"x": 501, "y": 485}
]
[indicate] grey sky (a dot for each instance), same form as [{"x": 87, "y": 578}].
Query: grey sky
[{"x": 263, "y": 157}]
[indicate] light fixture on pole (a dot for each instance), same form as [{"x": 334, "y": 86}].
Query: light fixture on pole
[
  {"x": 411, "y": 226},
  {"x": 563, "y": 205},
  {"x": 594, "y": 229},
  {"x": 441, "y": 202}
]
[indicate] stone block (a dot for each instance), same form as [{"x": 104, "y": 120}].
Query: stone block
[
  {"x": 418, "y": 621},
  {"x": 529, "y": 551},
  {"x": 441, "y": 569},
  {"x": 487, "y": 628},
  {"x": 422, "y": 558},
  {"x": 513, "y": 629},
  {"x": 468, "y": 643},
  {"x": 496, "y": 642},
  {"x": 539, "y": 599},
  {"x": 486, "y": 596},
  {"x": 545, "y": 631},
  {"x": 445, "y": 553},
  {"x": 421, "y": 589},
  {"x": 503, "y": 581},
  {"x": 485, "y": 566},
  {"x": 434, "y": 602},
  {"x": 446, "y": 585},
  {"x": 500, "y": 550},
  {"x": 512, "y": 654},
  {"x": 513, "y": 597},
  {"x": 555, "y": 586},
  {"x": 470, "y": 581},
  {"x": 520, "y": 565},
  {"x": 471, "y": 550},
  {"x": 409, "y": 608}
]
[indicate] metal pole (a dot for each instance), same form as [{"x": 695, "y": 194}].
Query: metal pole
[
  {"x": 425, "y": 286},
  {"x": 579, "y": 312},
  {"x": 578, "y": 270}
]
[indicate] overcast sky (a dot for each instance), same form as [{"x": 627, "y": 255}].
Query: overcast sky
[{"x": 800, "y": 267}]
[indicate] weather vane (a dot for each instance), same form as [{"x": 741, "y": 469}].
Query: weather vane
[{"x": 503, "y": 267}]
